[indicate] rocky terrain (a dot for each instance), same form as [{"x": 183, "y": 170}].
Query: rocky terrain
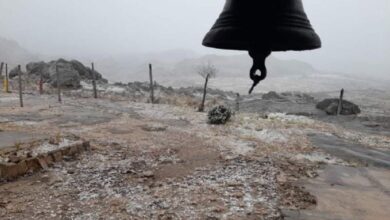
[{"x": 164, "y": 161}]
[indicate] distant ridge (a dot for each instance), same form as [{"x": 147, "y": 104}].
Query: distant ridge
[{"x": 182, "y": 63}]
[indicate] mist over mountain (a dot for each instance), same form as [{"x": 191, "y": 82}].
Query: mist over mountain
[
  {"x": 177, "y": 68},
  {"x": 13, "y": 54},
  {"x": 183, "y": 63}
]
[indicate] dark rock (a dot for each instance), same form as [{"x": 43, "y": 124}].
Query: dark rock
[
  {"x": 272, "y": 96},
  {"x": 86, "y": 72},
  {"x": 68, "y": 76},
  {"x": 70, "y": 73},
  {"x": 14, "y": 73},
  {"x": 37, "y": 69},
  {"x": 219, "y": 115},
  {"x": 330, "y": 107},
  {"x": 147, "y": 174}
]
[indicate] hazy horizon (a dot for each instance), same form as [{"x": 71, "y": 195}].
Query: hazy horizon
[{"x": 355, "y": 33}]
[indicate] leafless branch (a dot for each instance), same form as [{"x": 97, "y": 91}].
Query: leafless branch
[{"x": 205, "y": 70}]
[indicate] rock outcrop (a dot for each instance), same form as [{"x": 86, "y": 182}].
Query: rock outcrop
[
  {"x": 330, "y": 106},
  {"x": 70, "y": 73}
]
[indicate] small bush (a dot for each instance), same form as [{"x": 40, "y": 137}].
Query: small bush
[{"x": 219, "y": 115}]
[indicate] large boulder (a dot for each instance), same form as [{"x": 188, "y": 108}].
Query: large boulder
[
  {"x": 330, "y": 106},
  {"x": 68, "y": 76},
  {"x": 70, "y": 72}
]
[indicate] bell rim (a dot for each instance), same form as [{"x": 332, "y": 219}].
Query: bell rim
[{"x": 304, "y": 42}]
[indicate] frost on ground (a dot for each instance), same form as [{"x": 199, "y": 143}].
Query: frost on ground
[
  {"x": 237, "y": 189},
  {"x": 162, "y": 162}
]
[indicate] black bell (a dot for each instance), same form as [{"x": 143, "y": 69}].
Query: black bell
[{"x": 260, "y": 27}]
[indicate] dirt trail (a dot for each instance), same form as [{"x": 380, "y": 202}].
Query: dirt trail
[{"x": 348, "y": 193}]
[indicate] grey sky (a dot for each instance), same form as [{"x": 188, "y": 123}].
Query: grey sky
[{"x": 355, "y": 33}]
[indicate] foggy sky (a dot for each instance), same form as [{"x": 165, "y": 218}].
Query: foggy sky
[{"x": 355, "y": 33}]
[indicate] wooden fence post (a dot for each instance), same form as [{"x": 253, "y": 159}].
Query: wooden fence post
[
  {"x": 151, "y": 83},
  {"x": 40, "y": 84},
  {"x": 20, "y": 86},
  {"x": 340, "y": 106},
  {"x": 1, "y": 68},
  {"x": 58, "y": 84},
  {"x": 238, "y": 102},
  {"x": 94, "y": 82},
  {"x": 6, "y": 79},
  {"x": 1, "y": 73}
]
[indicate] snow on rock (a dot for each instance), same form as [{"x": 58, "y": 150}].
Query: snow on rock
[{"x": 48, "y": 147}]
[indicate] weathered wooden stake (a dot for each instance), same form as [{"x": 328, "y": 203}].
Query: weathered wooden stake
[
  {"x": 58, "y": 84},
  {"x": 238, "y": 102},
  {"x": 1, "y": 73},
  {"x": 340, "y": 106},
  {"x": 41, "y": 84},
  {"x": 20, "y": 86},
  {"x": 151, "y": 83},
  {"x": 201, "y": 107},
  {"x": 6, "y": 79},
  {"x": 94, "y": 82},
  {"x": 1, "y": 68}
]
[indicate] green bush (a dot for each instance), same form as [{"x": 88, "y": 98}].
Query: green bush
[{"x": 219, "y": 115}]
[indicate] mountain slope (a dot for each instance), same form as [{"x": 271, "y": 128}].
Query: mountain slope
[{"x": 13, "y": 54}]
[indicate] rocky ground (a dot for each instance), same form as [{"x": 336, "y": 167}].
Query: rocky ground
[{"x": 163, "y": 161}]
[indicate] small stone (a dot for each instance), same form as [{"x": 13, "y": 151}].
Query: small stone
[
  {"x": 371, "y": 124},
  {"x": 148, "y": 174},
  {"x": 154, "y": 128},
  {"x": 311, "y": 174},
  {"x": 219, "y": 209},
  {"x": 43, "y": 163},
  {"x": 14, "y": 159},
  {"x": 238, "y": 195},
  {"x": 234, "y": 184},
  {"x": 55, "y": 180},
  {"x": 282, "y": 178}
]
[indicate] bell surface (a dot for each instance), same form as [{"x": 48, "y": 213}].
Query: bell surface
[{"x": 275, "y": 25}]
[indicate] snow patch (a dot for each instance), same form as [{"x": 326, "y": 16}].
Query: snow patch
[
  {"x": 266, "y": 135},
  {"x": 290, "y": 118},
  {"x": 47, "y": 147},
  {"x": 319, "y": 158}
]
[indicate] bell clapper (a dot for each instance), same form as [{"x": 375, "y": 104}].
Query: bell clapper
[{"x": 259, "y": 57}]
